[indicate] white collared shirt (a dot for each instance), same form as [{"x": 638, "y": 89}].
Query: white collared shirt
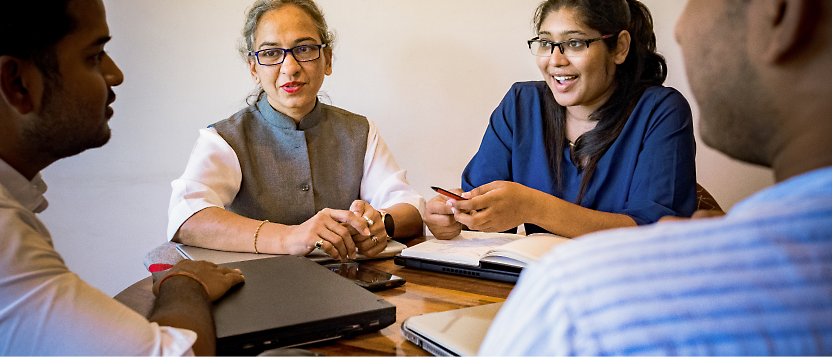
[
  {"x": 46, "y": 309},
  {"x": 757, "y": 281}
]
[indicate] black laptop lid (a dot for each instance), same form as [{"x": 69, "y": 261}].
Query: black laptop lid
[{"x": 289, "y": 300}]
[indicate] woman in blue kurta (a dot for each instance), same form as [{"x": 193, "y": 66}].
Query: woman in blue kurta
[{"x": 598, "y": 144}]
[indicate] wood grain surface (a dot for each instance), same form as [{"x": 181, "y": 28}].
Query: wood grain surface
[{"x": 424, "y": 292}]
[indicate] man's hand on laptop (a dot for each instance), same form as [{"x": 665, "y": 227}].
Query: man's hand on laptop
[{"x": 214, "y": 279}]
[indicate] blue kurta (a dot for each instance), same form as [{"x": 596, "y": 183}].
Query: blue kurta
[{"x": 648, "y": 172}]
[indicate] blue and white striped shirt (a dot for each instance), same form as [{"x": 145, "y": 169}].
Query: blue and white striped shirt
[{"x": 755, "y": 282}]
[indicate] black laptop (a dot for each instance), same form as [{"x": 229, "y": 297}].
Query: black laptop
[
  {"x": 486, "y": 270},
  {"x": 290, "y": 301}
]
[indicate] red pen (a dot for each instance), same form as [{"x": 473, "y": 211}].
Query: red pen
[{"x": 447, "y": 193}]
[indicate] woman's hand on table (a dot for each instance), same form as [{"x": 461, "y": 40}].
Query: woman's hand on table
[
  {"x": 329, "y": 228},
  {"x": 495, "y": 207},
  {"x": 375, "y": 242},
  {"x": 439, "y": 217}
]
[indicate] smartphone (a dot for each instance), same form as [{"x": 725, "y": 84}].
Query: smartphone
[
  {"x": 366, "y": 277},
  {"x": 448, "y": 194}
]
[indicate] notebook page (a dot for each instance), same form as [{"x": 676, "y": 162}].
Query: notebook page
[
  {"x": 467, "y": 248},
  {"x": 528, "y": 249}
]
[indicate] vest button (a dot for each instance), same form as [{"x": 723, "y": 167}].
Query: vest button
[{"x": 304, "y": 188}]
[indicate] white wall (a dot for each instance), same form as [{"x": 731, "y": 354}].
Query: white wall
[{"x": 428, "y": 72}]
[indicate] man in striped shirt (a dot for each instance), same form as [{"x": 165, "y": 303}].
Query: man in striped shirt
[{"x": 757, "y": 281}]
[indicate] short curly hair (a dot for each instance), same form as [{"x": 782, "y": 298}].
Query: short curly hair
[{"x": 256, "y": 12}]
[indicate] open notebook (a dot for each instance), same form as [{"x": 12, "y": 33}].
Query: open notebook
[
  {"x": 495, "y": 256},
  {"x": 451, "y": 333}
]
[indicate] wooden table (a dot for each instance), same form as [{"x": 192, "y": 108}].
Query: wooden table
[{"x": 424, "y": 292}]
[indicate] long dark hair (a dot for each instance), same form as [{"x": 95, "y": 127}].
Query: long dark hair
[{"x": 643, "y": 68}]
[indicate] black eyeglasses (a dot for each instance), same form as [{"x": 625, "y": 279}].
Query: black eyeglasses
[
  {"x": 545, "y": 48},
  {"x": 276, "y": 56}
]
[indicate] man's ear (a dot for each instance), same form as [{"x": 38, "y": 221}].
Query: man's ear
[
  {"x": 21, "y": 84},
  {"x": 783, "y": 28}
]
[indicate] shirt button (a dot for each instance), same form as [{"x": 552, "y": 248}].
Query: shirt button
[{"x": 304, "y": 188}]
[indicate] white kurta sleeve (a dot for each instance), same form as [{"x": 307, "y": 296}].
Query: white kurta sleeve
[
  {"x": 384, "y": 183},
  {"x": 211, "y": 179}
]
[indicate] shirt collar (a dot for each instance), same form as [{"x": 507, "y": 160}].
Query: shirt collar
[
  {"x": 284, "y": 121},
  {"x": 28, "y": 193},
  {"x": 803, "y": 187}
]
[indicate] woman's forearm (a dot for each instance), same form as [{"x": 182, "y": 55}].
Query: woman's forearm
[
  {"x": 570, "y": 220},
  {"x": 217, "y": 228},
  {"x": 407, "y": 219}
]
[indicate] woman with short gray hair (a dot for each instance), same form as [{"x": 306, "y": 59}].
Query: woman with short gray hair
[{"x": 289, "y": 174}]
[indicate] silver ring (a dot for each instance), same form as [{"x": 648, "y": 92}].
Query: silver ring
[
  {"x": 319, "y": 244},
  {"x": 369, "y": 221},
  {"x": 375, "y": 240}
]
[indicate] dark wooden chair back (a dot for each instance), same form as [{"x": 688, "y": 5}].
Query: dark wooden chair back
[{"x": 704, "y": 200}]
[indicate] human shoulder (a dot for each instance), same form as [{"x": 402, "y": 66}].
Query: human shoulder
[
  {"x": 805, "y": 194},
  {"x": 618, "y": 248},
  {"x": 341, "y": 114},
  {"x": 658, "y": 96},
  {"x": 529, "y": 89},
  {"x": 523, "y": 96},
  {"x": 662, "y": 107},
  {"x": 238, "y": 117},
  {"x": 355, "y": 124}
]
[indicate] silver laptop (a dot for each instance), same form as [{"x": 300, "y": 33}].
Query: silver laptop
[
  {"x": 289, "y": 301},
  {"x": 451, "y": 333}
]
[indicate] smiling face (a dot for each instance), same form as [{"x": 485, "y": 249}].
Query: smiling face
[
  {"x": 75, "y": 112},
  {"x": 292, "y": 87},
  {"x": 581, "y": 83}
]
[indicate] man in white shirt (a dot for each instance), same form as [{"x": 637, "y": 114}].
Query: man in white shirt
[
  {"x": 55, "y": 89},
  {"x": 757, "y": 281}
]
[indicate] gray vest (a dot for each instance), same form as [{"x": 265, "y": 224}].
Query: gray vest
[{"x": 292, "y": 172}]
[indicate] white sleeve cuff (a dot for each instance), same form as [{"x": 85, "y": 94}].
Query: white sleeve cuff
[{"x": 176, "y": 341}]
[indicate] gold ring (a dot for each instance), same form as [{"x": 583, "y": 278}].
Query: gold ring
[
  {"x": 319, "y": 244},
  {"x": 375, "y": 240},
  {"x": 369, "y": 221}
]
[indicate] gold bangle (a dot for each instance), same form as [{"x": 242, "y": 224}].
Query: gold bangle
[
  {"x": 158, "y": 286},
  {"x": 255, "y": 235}
]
